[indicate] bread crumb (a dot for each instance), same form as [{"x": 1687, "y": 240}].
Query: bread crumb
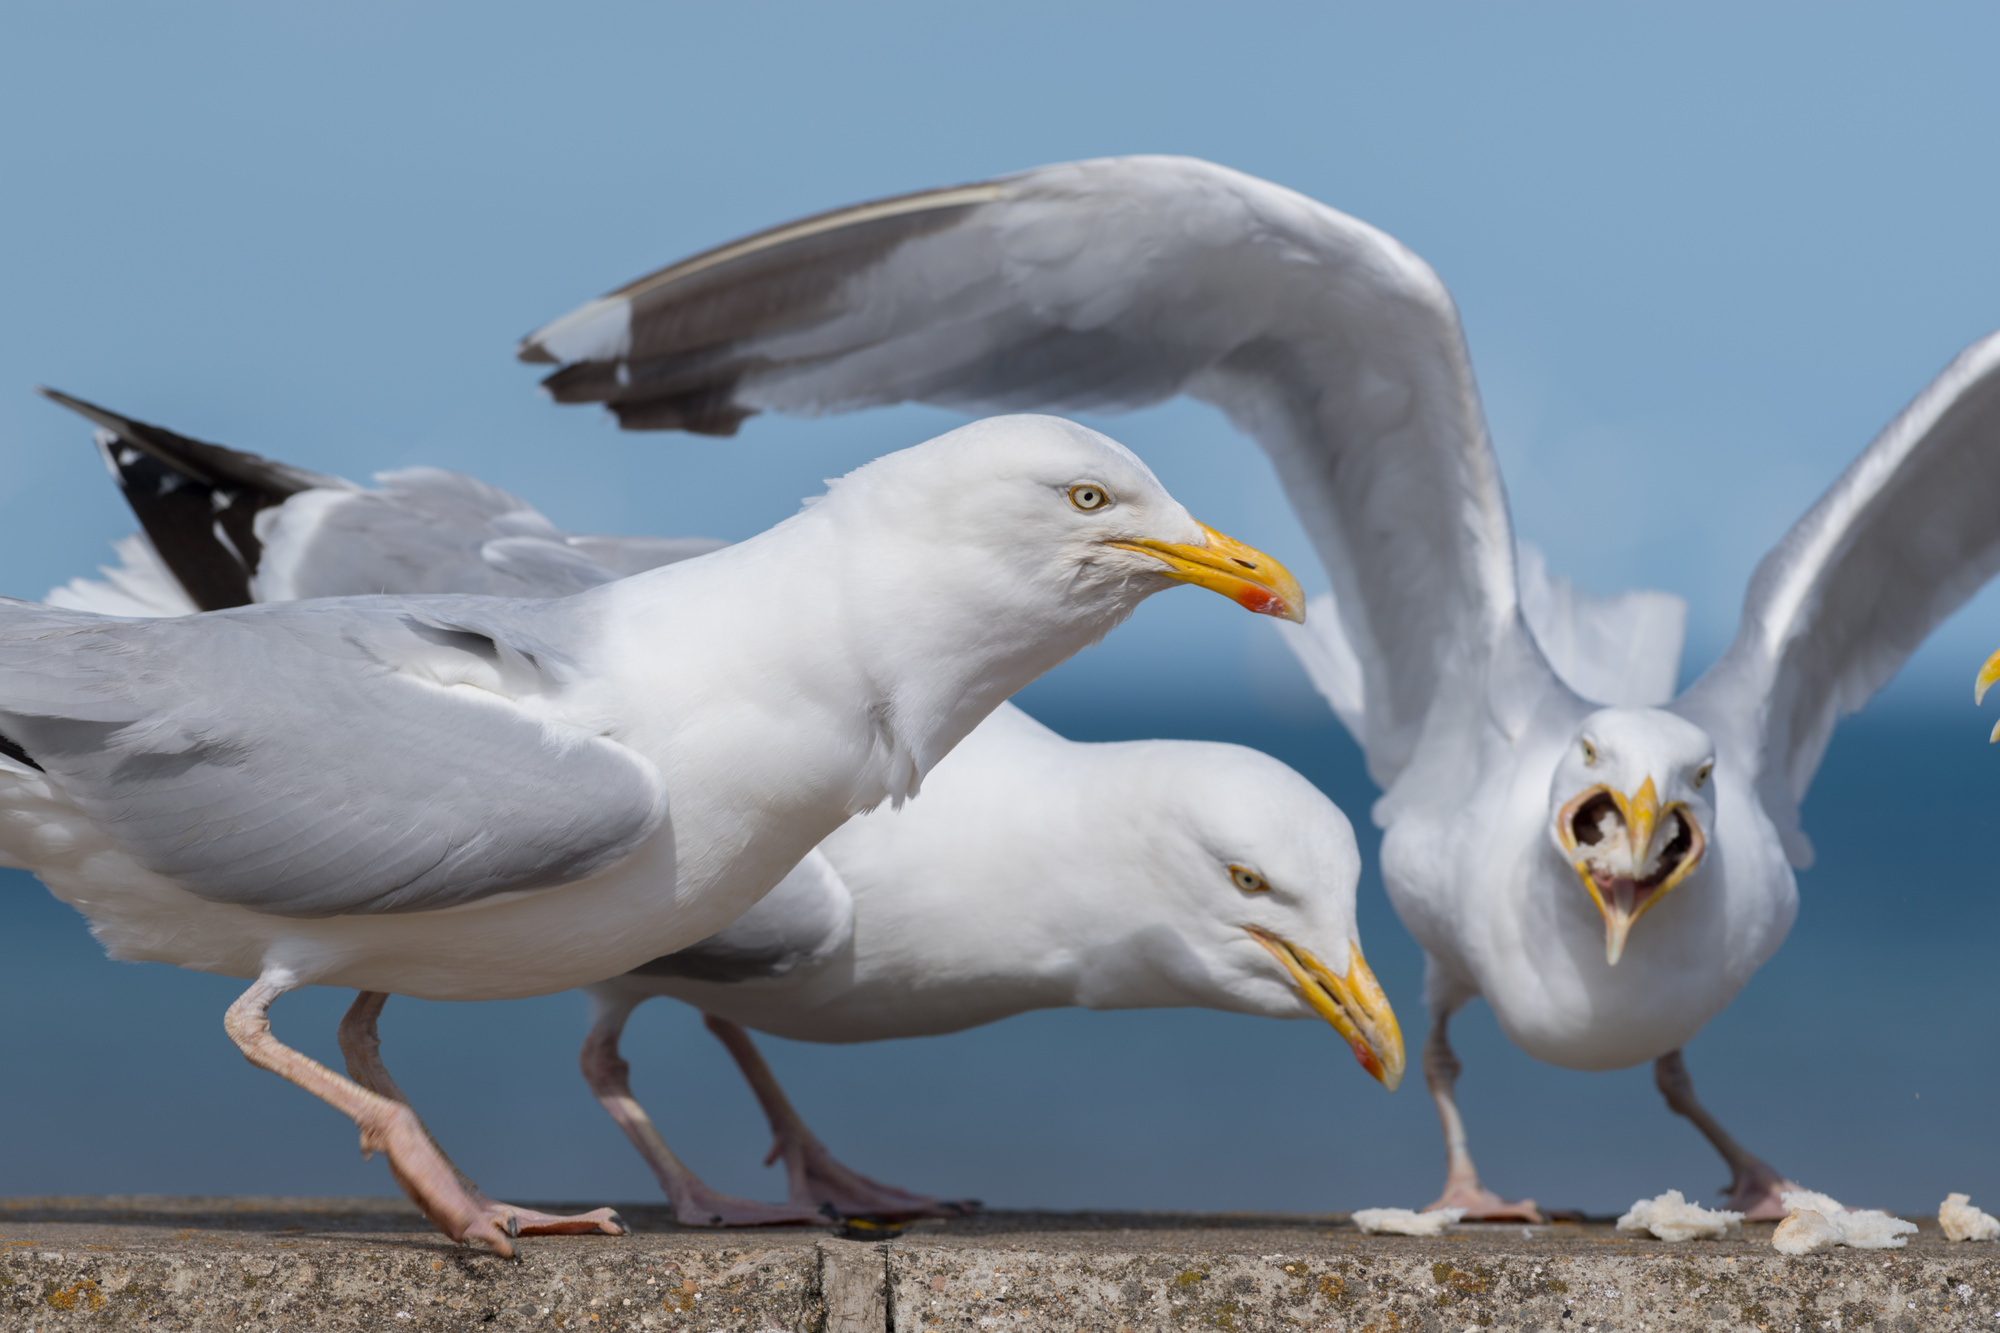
[
  {"x": 1403, "y": 1222},
  {"x": 1670, "y": 1217},
  {"x": 1804, "y": 1232},
  {"x": 1860, "y": 1229},
  {"x": 1961, "y": 1221}
]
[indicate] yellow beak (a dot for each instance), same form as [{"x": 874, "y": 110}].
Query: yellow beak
[
  {"x": 1354, "y": 1004},
  {"x": 1624, "y": 898},
  {"x": 1987, "y": 675},
  {"x": 1243, "y": 574}
]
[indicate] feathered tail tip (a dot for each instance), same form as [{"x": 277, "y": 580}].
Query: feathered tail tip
[{"x": 138, "y": 585}]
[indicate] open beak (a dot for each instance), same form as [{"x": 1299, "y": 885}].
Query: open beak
[
  {"x": 1243, "y": 574},
  {"x": 1354, "y": 1004},
  {"x": 1987, "y": 675},
  {"x": 1662, "y": 847}
]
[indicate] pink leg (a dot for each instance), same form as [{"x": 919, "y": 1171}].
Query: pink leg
[
  {"x": 1754, "y": 1187},
  {"x": 1461, "y": 1182},
  {"x": 362, "y": 1048},
  {"x": 695, "y": 1204},
  {"x": 386, "y": 1125},
  {"x": 815, "y": 1176}
]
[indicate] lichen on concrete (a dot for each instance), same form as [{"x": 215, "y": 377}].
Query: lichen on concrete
[{"x": 273, "y": 1266}]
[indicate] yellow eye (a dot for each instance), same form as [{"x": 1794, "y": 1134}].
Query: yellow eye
[
  {"x": 1701, "y": 774},
  {"x": 1088, "y": 496},
  {"x": 1589, "y": 753},
  {"x": 1248, "y": 880}
]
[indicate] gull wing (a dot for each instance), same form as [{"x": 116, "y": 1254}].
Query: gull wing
[
  {"x": 1106, "y": 285},
  {"x": 426, "y": 530},
  {"x": 1621, "y": 648},
  {"x": 231, "y": 528},
  {"x": 370, "y": 755},
  {"x": 198, "y": 503},
  {"x": 1908, "y": 533}
]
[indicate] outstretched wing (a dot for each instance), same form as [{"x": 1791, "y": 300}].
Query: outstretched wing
[
  {"x": 326, "y": 758},
  {"x": 1108, "y": 285},
  {"x": 1899, "y": 542}
]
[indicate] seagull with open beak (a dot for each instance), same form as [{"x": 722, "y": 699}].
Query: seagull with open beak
[{"x": 1627, "y": 846}]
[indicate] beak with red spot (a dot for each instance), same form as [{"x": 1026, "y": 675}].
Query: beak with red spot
[
  {"x": 1243, "y": 574},
  {"x": 1354, "y": 1004},
  {"x": 1617, "y": 876}
]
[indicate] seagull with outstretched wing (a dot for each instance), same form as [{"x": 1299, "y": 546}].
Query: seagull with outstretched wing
[{"x": 1528, "y": 826}]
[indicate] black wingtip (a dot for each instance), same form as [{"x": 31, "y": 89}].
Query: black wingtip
[
  {"x": 110, "y": 420},
  {"x": 197, "y": 501}
]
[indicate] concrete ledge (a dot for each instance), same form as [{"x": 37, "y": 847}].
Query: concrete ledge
[{"x": 257, "y": 1265}]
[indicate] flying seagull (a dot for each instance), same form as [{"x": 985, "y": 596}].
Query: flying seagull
[
  {"x": 1528, "y": 830},
  {"x": 470, "y": 797},
  {"x": 1034, "y": 872}
]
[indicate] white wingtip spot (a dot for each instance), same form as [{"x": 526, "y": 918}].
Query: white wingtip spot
[{"x": 600, "y": 331}]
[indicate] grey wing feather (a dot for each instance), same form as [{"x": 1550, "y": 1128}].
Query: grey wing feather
[
  {"x": 636, "y": 555},
  {"x": 425, "y": 530},
  {"x": 1108, "y": 285},
  {"x": 1908, "y": 533},
  {"x": 422, "y": 530},
  {"x": 336, "y": 757},
  {"x": 804, "y": 920}
]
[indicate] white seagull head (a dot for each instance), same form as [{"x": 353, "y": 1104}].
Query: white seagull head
[
  {"x": 1632, "y": 807},
  {"x": 1233, "y": 880},
  {"x": 1036, "y": 511}
]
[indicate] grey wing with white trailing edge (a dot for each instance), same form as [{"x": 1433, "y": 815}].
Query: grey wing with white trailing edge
[
  {"x": 1106, "y": 285},
  {"x": 1908, "y": 533},
  {"x": 384, "y": 755}
]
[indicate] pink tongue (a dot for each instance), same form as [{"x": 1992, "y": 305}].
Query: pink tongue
[{"x": 1620, "y": 891}]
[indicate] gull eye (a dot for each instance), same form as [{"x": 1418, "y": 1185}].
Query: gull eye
[
  {"x": 1701, "y": 774},
  {"x": 1088, "y": 496},
  {"x": 1248, "y": 880},
  {"x": 1589, "y": 753}
]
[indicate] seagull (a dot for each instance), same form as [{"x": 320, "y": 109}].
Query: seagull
[
  {"x": 471, "y": 797},
  {"x": 1033, "y": 872},
  {"x": 1606, "y": 872}
]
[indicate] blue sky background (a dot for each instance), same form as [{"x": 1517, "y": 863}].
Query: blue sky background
[{"x": 1703, "y": 254}]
